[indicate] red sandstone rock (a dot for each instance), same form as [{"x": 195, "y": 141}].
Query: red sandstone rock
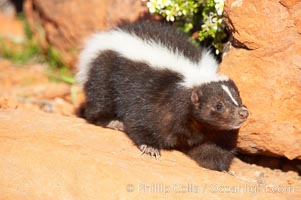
[
  {"x": 67, "y": 23},
  {"x": 268, "y": 75},
  {"x": 289, "y": 3},
  {"x": 48, "y": 156},
  {"x": 28, "y": 87}
]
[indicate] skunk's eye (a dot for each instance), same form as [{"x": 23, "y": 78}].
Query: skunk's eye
[{"x": 219, "y": 106}]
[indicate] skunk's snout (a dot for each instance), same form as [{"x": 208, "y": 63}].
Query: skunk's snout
[{"x": 243, "y": 113}]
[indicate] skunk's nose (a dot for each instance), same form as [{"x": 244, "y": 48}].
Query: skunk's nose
[{"x": 243, "y": 113}]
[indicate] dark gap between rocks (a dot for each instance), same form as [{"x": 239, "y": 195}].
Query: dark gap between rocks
[{"x": 282, "y": 164}]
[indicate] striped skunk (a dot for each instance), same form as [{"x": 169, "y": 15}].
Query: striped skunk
[{"x": 149, "y": 81}]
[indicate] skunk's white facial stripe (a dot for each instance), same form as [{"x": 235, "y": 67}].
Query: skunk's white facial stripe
[
  {"x": 244, "y": 108},
  {"x": 226, "y": 89},
  {"x": 154, "y": 53}
]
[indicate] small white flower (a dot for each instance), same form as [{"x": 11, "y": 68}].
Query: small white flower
[
  {"x": 160, "y": 5},
  {"x": 219, "y": 6},
  {"x": 152, "y": 5},
  {"x": 219, "y": 1},
  {"x": 169, "y": 16},
  {"x": 152, "y": 10},
  {"x": 166, "y": 2},
  {"x": 184, "y": 12}
]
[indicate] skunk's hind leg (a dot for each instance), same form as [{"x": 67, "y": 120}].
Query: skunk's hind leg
[
  {"x": 100, "y": 118},
  {"x": 99, "y": 107},
  {"x": 94, "y": 115}
]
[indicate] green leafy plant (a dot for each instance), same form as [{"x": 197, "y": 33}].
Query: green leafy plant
[
  {"x": 200, "y": 18},
  {"x": 21, "y": 50},
  {"x": 23, "y": 53}
]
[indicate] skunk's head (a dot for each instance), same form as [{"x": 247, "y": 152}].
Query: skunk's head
[{"x": 219, "y": 105}]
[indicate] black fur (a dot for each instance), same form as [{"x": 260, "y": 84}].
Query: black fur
[{"x": 155, "y": 110}]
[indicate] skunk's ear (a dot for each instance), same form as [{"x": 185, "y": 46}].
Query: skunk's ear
[{"x": 195, "y": 96}]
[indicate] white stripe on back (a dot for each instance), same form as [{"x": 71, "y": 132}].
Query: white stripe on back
[{"x": 153, "y": 53}]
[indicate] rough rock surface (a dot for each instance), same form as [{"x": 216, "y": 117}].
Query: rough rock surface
[
  {"x": 266, "y": 65},
  {"x": 67, "y": 23},
  {"x": 29, "y": 87},
  {"x": 50, "y": 156}
]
